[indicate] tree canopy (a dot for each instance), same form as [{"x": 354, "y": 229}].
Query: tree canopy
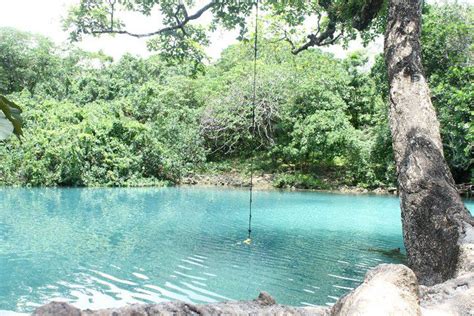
[{"x": 181, "y": 37}]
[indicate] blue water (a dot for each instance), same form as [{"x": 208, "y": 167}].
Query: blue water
[{"x": 101, "y": 248}]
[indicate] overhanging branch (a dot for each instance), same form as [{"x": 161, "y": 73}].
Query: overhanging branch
[
  {"x": 360, "y": 22},
  {"x": 325, "y": 38},
  {"x": 179, "y": 24}
]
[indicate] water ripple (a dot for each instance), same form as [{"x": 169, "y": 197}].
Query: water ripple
[{"x": 102, "y": 248}]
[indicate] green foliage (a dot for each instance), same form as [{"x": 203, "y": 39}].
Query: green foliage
[
  {"x": 448, "y": 49},
  {"x": 95, "y": 144},
  {"x": 95, "y": 128},
  {"x": 26, "y": 59},
  {"x": 302, "y": 120},
  {"x": 320, "y": 121}
]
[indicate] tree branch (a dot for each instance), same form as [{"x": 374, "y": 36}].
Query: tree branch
[
  {"x": 321, "y": 39},
  {"x": 319, "y": 24},
  {"x": 332, "y": 41},
  {"x": 360, "y": 22},
  {"x": 287, "y": 39},
  {"x": 112, "y": 11},
  {"x": 176, "y": 17},
  {"x": 367, "y": 14},
  {"x": 178, "y": 25}
]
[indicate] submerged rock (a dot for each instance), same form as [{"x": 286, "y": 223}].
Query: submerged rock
[{"x": 391, "y": 253}]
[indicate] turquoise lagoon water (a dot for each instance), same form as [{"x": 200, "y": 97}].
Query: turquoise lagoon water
[{"x": 101, "y": 248}]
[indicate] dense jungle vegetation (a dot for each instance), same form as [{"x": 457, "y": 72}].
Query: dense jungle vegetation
[{"x": 92, "y": 121}]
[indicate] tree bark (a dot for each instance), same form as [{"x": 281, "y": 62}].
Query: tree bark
[{"x": 434, "y": 217}]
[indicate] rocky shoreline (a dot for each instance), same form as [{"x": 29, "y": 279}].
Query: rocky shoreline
[
  {"x": 230, "y": 179},
  {"x": 265, "y": 181}
]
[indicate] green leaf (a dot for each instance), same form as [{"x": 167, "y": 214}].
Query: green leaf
[{"x": 10, "y": 119}]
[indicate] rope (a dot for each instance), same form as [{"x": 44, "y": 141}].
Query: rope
[{"x": 254, "y": 105}]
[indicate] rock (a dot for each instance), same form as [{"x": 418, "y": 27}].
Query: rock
[
  {"x": 265, "y": 299},
  {"x": 263, "y": 305},
  {"x": 392, "y": 190},
  {"x": 355, "y": 190},
  {"x": 379, "y": 191},
  {"x": 188, "y": 181},
  {"x": 453, "y": 297},
  {"x": 168, "y": 308},
  {"x": 388, "y": 289},
  {"x": 466, "y": 251},
  {"x": 57, "y": 309},
  {"x": 465, "y": 189}
]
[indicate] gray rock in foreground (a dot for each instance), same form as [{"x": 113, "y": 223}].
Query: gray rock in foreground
[
  {"x": 388, "y": 289},
  {"x": 263, "y": 305},
  {"x": 453, "y": 297}
]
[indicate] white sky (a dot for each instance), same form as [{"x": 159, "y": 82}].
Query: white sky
[{"x": 44, "y": 17}]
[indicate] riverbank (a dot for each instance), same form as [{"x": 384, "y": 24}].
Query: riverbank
[{"x": 269, "y": 181}]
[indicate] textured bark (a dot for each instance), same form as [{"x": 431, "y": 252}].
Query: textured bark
[{"x": 433, "y": 214}]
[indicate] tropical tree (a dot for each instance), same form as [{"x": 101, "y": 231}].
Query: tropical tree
[
  {"x": 26, "y": 60},
  {"x": 434, "y": 216}
]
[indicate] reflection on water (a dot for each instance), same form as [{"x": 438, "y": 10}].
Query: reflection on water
[{"x": 100, "y": 248}]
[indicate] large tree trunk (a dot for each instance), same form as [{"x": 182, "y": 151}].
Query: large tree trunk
[{"x": 434, "y": 217}]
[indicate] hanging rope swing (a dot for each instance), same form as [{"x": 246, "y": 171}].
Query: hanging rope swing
[{"x": 248, "y": 241}]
